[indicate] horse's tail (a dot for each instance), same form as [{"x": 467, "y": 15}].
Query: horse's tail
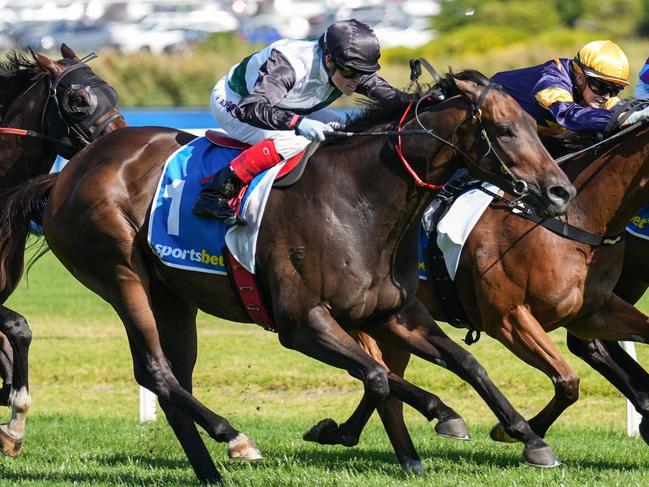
[{"x": 18, "y": 206}]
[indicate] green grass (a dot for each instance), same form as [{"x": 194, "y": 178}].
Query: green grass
[{"x": 83, "y": 424}]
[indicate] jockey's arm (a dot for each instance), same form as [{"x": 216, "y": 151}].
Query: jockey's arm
[
  {"x": 376, "y": 88},
  {"x": 276, "y": 79}
]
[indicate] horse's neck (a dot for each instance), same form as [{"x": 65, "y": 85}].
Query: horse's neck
[
  {"x": 380, "y": 188},
  {"x": 613, "y": 187},
  {"x": 25, "y": 157}
]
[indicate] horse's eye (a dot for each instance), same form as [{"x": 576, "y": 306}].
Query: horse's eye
[{"x": 504, "y": 130}]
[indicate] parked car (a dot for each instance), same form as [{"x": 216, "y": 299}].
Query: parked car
[
  {"x": 128, "y": 38},
  {"x": 82, "y": 37}
]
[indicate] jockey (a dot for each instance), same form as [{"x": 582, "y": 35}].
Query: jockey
[
  {"x": 574, "y": 94},
  {"x": 274, "y": 100}
]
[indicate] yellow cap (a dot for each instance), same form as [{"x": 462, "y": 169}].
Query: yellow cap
[{"x": 605, "y": 60}]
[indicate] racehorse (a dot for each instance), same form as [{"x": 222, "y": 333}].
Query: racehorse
[
  {"x": 517, "y": 280},
  {"x": 46, "y": 108},
  {"x": 336, "y": 252}
]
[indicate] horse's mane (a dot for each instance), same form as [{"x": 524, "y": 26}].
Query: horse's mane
[
  {"x": 384, "y": 115},
  {"x": 15, "y": 72}
]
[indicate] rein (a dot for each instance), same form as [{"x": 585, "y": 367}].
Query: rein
[
  {"x": 37, "y": 135},
  {"x": 517, "y": 186}
]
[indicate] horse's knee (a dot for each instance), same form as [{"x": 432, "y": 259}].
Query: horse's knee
[
  {"x": 158, "y": 381},
  {"x": 17, "y": 329},
  {"x": 376, "y": 384},
  {"x": 567, "y": 387}
]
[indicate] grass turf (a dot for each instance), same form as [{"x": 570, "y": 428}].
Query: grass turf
[{"x": 83, "y": 424}]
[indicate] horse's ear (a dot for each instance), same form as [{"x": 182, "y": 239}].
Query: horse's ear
[
  {"x": 68, "y": 53},
  {"x": 468, "y": 88},
  {"x": 46, "y": 63}
]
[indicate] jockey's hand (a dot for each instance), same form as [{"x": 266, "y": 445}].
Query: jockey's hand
[
  {"x": 637, "y": 116},
  {"x": 313, "y": 129}
]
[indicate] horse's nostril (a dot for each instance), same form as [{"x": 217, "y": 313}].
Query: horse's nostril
[{"x": 561, "y": 193}]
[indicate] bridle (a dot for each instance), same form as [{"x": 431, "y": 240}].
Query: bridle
[
  {"x": 73, "y": 129},
  {"x": 508, "y": 180}
]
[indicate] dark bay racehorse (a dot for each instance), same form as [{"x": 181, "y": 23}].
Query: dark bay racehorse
[
  {"x": 517, "y": 281},
  {"x": 46, "y": 108},
  {"x": 336, "y": 252}
]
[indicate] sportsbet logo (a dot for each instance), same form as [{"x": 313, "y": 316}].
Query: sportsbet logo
[{"x": 189, "y": 254}]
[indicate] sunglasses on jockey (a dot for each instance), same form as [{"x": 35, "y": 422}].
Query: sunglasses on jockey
[
  {"x": 601, "y": 87},
  {"x": 346, "y": 72}
]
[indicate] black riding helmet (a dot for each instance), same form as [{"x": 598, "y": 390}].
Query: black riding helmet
[{"x": 352, "y": 45}]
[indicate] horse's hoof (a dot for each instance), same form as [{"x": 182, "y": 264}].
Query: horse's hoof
[
  {"x": 243, "y": 448},
  {"x": 453, "y": 428},
  {"x": 412, "y": 467},
  {"x": 644, "y": 429},
  {"x": 542, "y": 457},
  {"x": 8, "y": 444},
  {"x": 328, "y": 432},
  {"x": 317, "y": 433},
  {"x": 498, "y": 433}
]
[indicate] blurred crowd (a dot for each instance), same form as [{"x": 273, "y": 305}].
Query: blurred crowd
[{"x": 167, "y": 26}]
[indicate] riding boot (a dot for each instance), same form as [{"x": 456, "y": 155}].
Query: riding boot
[
  {"x": 213, "y": 202},
  {"x": 225, "y": 184}
]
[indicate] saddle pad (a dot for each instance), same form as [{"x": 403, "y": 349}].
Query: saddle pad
[
  {"x": 456, "y": 226},
  {"x": 177, "y": 237},
  {"x": 639, "y": 224},
  {"x": 185, "y": 241}
]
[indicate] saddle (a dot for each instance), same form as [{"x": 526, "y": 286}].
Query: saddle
[{"x": 290, "y": 173}]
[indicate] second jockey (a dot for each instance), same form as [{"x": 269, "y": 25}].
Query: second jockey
[
  {"x": 575, "y": 94},
  {"x": 275, "y": 100}
]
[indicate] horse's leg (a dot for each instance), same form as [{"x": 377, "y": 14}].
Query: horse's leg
[
  {"x": 18, "y": 336},
  {"x": 450, "y": 424},
  {"x": 620, "y": 321},
  {"x": 523, "y": 335},
  {"x": 634, "y": 278},
  {"x": 624, "y": 373},
  {"x": 414, "y": 329},
  {"x": 15, "y": 328},
  {"x": 121, "y": 278},
  {"x": 6, "y": 369},
  {"x": 176, "y": 322}
]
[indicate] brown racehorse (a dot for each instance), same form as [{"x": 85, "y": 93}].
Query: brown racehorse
[
  {"x": 517, "y": 281},
  {"x": 65, "y": 106},
  {"x": 336, "y": 252}
]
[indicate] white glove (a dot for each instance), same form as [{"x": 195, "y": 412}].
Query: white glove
[
  {"x": 637, "y": 116},
  {"x": 313, "y": 129}
]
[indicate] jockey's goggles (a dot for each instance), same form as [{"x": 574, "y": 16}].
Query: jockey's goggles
[
  {"x": 347, "y": 73},
  {"x": 603, "y": 88}
]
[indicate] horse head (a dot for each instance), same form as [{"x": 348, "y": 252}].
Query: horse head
[
  {"x": 498, "y": 142},
  {"x": 81, "y": 105}
]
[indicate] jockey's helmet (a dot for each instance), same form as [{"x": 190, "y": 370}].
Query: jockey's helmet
[
  {"x": 604, "y": 60},
  {"x": 352, "y": 45}
]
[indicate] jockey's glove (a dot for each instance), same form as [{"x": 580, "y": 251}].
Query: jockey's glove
[
  {"x": 313, "y": 129},
  {"x": 637, "y": 116}
]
